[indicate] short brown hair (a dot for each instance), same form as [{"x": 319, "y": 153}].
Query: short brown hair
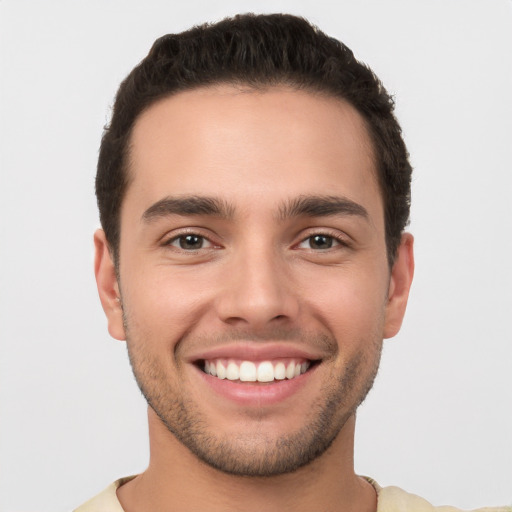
[{"x": 257, "y": 51}]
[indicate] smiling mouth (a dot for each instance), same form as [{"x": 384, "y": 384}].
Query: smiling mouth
[{"x": 256, "y": 371}]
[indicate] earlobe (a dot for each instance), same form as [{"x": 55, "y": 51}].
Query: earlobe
[
  {"x": 399, "y": 286},
  {"x": 108, "y": 287}
]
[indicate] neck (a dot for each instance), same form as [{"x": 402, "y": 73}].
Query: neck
[{"x": 176, "y": 479}]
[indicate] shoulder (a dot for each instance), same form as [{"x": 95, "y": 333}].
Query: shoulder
[
  {"x": 394, "y": 499},
  {"x": 106, "y": 500}
]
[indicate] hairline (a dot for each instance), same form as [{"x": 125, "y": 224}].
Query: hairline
[{"x": 249, "y": 86}]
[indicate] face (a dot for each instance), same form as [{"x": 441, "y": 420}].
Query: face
[{"x": 254, "y": 290}]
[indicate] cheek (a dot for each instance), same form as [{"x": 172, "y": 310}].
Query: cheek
[
  {"x": 354, "y": 318},
  {"x": 162, "y": 307},
  {"x": 350, "y": 303}
]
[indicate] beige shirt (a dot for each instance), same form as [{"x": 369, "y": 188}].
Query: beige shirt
[{"x": 389, "y": 499}]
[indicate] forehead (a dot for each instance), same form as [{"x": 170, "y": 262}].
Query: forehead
[{"x": 248, "y": 144}]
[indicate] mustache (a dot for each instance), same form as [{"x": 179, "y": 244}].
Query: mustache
[{"x": 324, "y": 343}]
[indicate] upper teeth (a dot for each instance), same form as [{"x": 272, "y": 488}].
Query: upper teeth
[{"x": 248, "y": 371}]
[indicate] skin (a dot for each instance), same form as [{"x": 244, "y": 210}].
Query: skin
[{"x": 260, "y": 279}]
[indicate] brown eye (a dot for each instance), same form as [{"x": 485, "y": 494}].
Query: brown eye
[
  {"x": 320, "y": 242},
  {"x": 189, "y": 242}
]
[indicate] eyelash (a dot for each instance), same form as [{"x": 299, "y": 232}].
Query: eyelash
[
  {"x": 334, "y": 238},
  {"x": 176, "y": 239}
]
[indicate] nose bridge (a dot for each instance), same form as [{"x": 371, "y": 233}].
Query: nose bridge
[{"x": 257, "y": 289}]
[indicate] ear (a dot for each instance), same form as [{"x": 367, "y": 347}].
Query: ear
[
  {"x": 399, "y": 286},
  {"x": 108, "y": 287}
]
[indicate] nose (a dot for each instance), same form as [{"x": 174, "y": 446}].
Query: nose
[{"x": 257, "y": 291}]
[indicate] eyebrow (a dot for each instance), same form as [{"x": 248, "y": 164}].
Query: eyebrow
[
  {"x": 188, "y": 205},
  {"x": 302, "y": 206},
  {"x": 321, "y": 206}
]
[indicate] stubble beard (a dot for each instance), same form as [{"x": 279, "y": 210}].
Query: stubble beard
[{"x": 256, "y": 454}]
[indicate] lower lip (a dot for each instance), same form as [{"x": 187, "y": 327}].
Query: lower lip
[{"x": 254, "y": 393}]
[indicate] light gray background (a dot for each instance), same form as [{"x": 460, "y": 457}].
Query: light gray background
[{"x": 439, "y": 421}]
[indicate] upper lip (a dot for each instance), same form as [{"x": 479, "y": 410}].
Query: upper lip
[{"x": 256, "y": 351}]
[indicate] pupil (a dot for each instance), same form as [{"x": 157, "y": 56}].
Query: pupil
[
  {"x": 321, "y": 242},
  {"x": 191, "y": 242}
]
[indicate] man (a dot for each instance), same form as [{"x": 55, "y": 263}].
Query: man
[{"x": 253, "y": 189}]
